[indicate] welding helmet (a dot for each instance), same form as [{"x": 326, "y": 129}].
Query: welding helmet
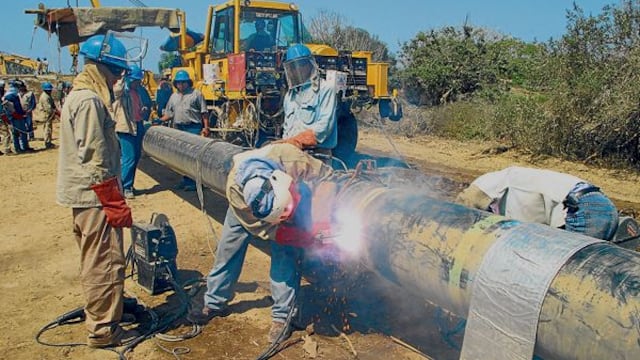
[
  {"x": 47, "y": 86},
  {"x": 182, "y": 75},
  {"x": 106, "y": 50},
  {"x": 300, "y": 66},
  {"x": 135, "y": 73},
  {"x": 270, "y": 199}
]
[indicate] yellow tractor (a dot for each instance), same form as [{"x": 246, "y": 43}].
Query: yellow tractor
[
  {"x": 245, "y": 85},
  {"x": 12, "y": 64}
]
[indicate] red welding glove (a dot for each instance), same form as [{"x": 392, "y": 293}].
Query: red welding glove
[
  {"x": 293, "y": 236},
  {"x": 113, "y": 204},
  {"x": 5, "y": 118},
  {"x": 305, "y": 139},
  {"x": 18, "y": 116}
]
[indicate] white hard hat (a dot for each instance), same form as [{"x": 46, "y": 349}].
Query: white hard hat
[{"x": 259, "y": 188}]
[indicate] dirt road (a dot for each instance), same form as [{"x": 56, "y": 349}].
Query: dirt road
[{"x": 39, "y": 265}]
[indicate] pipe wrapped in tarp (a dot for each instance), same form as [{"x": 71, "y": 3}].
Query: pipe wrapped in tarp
[
  {"x": 434, "y": 249},
  {"x": 172, "y": 43}
]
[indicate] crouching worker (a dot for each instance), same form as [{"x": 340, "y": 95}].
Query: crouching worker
[
  {"x": 271, "y": 193},
  {"x": 89, "y": 183},
  {"x": 546, "y": 197}
]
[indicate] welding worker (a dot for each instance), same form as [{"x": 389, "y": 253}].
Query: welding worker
[
  {"x": 47, "y": 110},
  {"x": 89, "y": 183},
  {"x": 132, "y": 107},
  {"x": 270, "y": 192},
  {"x": 546, "y": 197},
  {"x": 188, "y": 110},
  {"x": 309, "y": 104}
]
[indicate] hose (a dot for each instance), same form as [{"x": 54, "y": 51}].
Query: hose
[{"x": 275, "y": 346}]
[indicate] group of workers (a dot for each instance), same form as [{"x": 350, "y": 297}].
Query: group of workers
[
  {"x": 100, "y": 136},
  {"x": 19, "y": 111},
  {"x": 275, "y": 192}
]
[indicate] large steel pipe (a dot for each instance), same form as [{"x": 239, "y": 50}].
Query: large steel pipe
[{"x": 434, "y": 249}]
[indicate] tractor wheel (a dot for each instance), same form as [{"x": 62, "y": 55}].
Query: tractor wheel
[{"x": 347, "y": 137}]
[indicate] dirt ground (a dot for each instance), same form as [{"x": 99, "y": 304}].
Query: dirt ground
[{"x": 39, "y": 265}]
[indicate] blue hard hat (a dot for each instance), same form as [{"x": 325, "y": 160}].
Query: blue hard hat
[
  {"x": 110, "y": 52},
  {"x": 47, "y": 86},
  {"x": 182, "y": 75},
  {"x": 297, "y": 51},
  {"x": 135, "y": 73}
]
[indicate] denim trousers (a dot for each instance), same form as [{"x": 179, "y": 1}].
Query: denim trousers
[
  {"x": 130, "y": 151},
  {"x": 195, "y": 129},
  {"x": 232, "y": 248},
  {"x": 595, "y": 216},
  {"x": 20, "y": 135}
]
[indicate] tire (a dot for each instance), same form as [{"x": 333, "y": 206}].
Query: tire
[{"x": 347, "y": 137}]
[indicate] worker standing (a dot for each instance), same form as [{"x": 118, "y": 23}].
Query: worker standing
[
  {"x": 546, "y": 197},
  {"x": 89, "y": 183},
  {"x": 6, "y": 130},
  {"x": 47, "y": 110},
  {"x": 188, "y": 110},
  {"x": 131, "y": 108},
  {"x": 163, "y": 93},
  {"x": 309, "y": 104},
  {"x": 28, "y": 102},
  {"x": 271, "y": 194},
  {"x": 19, "y": 133}
]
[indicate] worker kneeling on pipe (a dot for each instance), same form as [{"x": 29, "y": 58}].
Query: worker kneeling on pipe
[
  {"x": 272, "y": 194},
  {"x": 543, "y": 196}
]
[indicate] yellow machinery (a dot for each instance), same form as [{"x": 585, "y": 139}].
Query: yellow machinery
[
  {"x": 245, "y": 87},
  {"x": 11, "y": 64}
]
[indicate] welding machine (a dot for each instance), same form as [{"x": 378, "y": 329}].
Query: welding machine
[{"x": 154, "y": 253}]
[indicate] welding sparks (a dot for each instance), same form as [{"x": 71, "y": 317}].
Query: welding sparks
[{"x": 348, "y": 238}]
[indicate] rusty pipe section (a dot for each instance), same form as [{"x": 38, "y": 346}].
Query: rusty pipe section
[{"x": 434, "y": 249}]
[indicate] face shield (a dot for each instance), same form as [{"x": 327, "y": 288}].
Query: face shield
[
  {"x": 133, "y": 51},
  {"x": 300, "y": 71}
]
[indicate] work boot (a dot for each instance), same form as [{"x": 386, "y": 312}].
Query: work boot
[
  {"x": 204, "y": 315},
  {"x": 117, "y": 337},
  {"x": 277, "y": 329},
  {"x": 189, "y": 187}
]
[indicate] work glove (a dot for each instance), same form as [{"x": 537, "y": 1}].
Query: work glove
[
  {"x": 287, "y": 234},
  {"x": 305, "y": 139},
  {"x": 113, "y": 204}
]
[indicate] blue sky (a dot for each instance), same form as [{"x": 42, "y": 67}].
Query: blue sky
[{"x": 524, "y": 19}]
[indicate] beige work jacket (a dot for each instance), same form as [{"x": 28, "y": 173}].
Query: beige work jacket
[{"x": 298, "y": 164}]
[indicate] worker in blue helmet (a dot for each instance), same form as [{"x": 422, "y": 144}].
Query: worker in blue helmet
[
  {"x": 309, "y": 104},
  {"x": 132, "y": 107},
  {"x": 47, "y": 111},
  {"x": 188, "y": 112},
  {"x": 89, "y": 182}
]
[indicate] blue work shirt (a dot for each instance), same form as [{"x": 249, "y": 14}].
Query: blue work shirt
[
  {"x": 312, "y": 106},
  {"x": 13, "y": 97}
]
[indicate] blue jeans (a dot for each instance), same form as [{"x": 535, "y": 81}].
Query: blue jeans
[
  {"x": 195, "y": 129},
  {"x": 20, "y": 138},
  {"x": 130, "y": 151},
  {"x": 29, "y": 125},
  {"x": 595, "y": 216},
  {"x": 232, "y": 248}
]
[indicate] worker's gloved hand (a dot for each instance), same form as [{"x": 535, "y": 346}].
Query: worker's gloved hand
[
  {"x": 290, "y": 235},
  {"x": 305, "y": 139},
  {"x": 113, "y": 204}
]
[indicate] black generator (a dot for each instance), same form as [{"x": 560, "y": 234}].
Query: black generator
[{"x": 154, "y": 254}]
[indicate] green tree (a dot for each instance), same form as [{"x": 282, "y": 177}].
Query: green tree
[{"x": 168, "y": 60}]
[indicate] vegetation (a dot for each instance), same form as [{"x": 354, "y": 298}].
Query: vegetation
[{"x": 576, "y": 97}]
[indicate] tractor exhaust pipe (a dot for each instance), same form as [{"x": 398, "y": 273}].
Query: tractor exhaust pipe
[{"x": 441, "y": 251}]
